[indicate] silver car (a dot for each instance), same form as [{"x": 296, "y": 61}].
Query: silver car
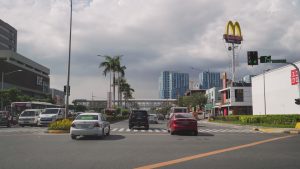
[
  {"x": 29, "y": 117},
  {"x": 90, "y": 124}
]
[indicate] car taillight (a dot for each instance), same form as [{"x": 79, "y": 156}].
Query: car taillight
[
  {"x": 97, "y": 125},
  {"x": 73, "y": 125}
]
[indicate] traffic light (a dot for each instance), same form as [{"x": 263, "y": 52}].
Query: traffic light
[
  {"x": 65, "y": 90},
  {"x": 252, "y": 57},
  {"x": 297, "y": 101},
  {"x": 265, "y": 59}
]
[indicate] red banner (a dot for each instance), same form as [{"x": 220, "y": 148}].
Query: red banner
[{"x": 294, "y": 77}]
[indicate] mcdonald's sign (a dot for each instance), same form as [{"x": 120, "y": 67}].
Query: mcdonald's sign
[{"x": 233, "y": 33}]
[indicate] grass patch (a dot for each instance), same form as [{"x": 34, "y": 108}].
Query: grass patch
[{"x": 278, "y": 121}]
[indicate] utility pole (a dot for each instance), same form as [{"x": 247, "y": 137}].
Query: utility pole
[{"x": 69, "y": 61}]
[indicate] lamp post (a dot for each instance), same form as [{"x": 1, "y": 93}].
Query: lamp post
[
  {"x": 2, "y": 83},
  {"x": 265, "y": 104},
  {"x": 69, "y": 60}
]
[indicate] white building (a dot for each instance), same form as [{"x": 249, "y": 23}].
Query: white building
[
  {"x": 213, "y": 97},
  {"x": 236, "y": 100},
  {"x": 275, "y": 91}
]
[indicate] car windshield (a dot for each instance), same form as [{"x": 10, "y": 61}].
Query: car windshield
[
  {"x": 178, "y": 110},
  {"x": 87, "y": 117},
  {"x": 139, "y": 113},
  {"x": 183, "y": 116},
  {"x": 28, "y": 113},
  {"x": 50, "y": 111}
]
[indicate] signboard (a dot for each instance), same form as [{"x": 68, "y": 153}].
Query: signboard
[{"x": 294, "y": 77}]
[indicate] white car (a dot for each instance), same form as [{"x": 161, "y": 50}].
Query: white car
[
  {"x": 29, "y": 117},
  {"x": 50, "y": 115},
  {"x": 153, "y": 118},
  {"x": 90, "y": 124}
]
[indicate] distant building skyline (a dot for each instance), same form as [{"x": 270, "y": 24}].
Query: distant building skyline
[
  {"x": 209, "y": 80},
  {"x": 173, "y": 84}
]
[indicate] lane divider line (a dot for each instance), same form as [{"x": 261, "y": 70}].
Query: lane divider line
[{"x": 188, "y": 158}]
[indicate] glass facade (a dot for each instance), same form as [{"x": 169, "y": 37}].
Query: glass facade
[
  {"x": 8, "y": 37},
  {"x": 209, "y": 80},
  {"x": 173, "y": 84}
]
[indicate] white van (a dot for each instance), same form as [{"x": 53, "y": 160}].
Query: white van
[
  {"x": 177, "y": 110},
  {"x": 29, "y": 117},
  {"x": 50, "y": 115}
]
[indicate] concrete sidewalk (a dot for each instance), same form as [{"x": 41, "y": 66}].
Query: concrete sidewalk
[{"x": 256, "y": 128}]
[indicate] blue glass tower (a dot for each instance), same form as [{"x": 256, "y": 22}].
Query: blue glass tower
[
  {"x": 209, "y": 80},
  {"x": 173, "y": 84}
]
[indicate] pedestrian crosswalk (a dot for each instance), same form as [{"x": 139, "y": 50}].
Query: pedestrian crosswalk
[
  {"x": 36, "y": 130},
  {"x": 127, "y": 130},
  {"x": 23, "y": 130}
]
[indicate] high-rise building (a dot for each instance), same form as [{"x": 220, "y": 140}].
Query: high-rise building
[
  {"x": 209, "y": 80},
  {"x": 173, "y": 84},
  {"x": 8, "y": 37}
]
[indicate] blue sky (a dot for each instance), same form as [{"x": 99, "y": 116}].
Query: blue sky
[{"x": 152, "y": 35}]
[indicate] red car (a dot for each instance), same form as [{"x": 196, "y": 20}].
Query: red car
[{"x": 181, "y": 122}]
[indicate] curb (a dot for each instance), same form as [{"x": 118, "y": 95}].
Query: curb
[
  {"x": 277, "y": 130},
  {"x": 58, "y": 131}
]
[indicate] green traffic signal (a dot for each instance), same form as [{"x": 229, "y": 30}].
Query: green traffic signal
[{"x": 252, "y": 57}]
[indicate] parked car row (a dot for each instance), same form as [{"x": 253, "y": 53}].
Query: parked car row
[{"x": 32, "y": 117}]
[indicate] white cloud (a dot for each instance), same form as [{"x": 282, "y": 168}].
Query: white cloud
[{"x": 152, "y": 35}]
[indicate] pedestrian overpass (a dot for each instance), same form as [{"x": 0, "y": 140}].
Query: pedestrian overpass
[{"x": 131, "y": 103}]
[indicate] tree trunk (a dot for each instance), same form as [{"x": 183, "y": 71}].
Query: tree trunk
[{"x": 114, "y": 88}]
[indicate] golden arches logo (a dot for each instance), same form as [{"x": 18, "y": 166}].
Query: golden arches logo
[{"x": 233, "y": 33}]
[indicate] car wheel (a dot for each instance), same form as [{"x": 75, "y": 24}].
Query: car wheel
[
  {"x": 172, "y": 132},
  {"x": 8, "y": 125},
  {"x": 130, "y": 127},
  {"x": 73, "y": 137},
  {"x": 108, "y": 132},
  {"x": 195, "y": 133},
  {"x": 146, "y": 127},
  {"x": 22, "y": 125}
]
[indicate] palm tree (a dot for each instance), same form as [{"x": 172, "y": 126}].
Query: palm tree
[
  {"x": 122, "y": 87},
  {"x": 111, "y": 64},
  {"x": 127, "y": 92},
  {"x": 121, "y": 74}
]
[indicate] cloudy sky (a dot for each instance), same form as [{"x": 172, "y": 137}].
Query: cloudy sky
[{"x": 152, "y": 36}]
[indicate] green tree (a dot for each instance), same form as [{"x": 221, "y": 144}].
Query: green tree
[
  {"x": 121, "y": 74},
  {"x": 16, "y": 95},
  {"x": 197, "y": 99},
  {"x": 127, "y": 92},
  {"x": 112, "y": 65}
]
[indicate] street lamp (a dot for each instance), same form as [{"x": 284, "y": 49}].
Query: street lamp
[
  {"x": 2, "y": 82},
  {"x": 265, "y": 104},
  {"x": 109, "y": 96},
  {"x": 69, "y": 60}
]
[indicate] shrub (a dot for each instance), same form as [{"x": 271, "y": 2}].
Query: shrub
[
  {"x": 64, "y": 124},
  {"x": 275, "y": 120}
]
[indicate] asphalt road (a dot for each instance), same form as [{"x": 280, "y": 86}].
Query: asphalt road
[{"x": 221, "y": 148}]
